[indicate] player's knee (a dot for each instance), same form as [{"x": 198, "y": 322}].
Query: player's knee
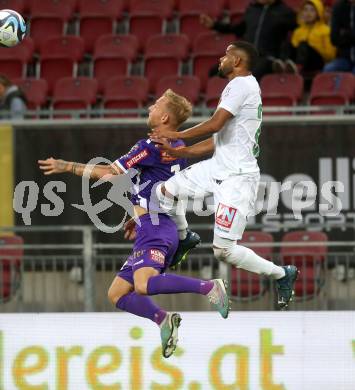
[
  {"x": 113, "y": 296},
  {"x": 140, "y": 287},
  {"x": 220, "y": 253},
  {"x": 160, "y": 191}
]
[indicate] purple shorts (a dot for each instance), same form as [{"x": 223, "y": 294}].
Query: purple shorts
[{"x": 154, "y": 246}]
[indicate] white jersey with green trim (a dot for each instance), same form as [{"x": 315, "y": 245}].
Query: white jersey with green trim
[{"x": 236, "y": 144}]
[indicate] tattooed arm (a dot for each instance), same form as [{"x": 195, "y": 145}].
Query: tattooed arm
[{"x": 52, "y": 166}]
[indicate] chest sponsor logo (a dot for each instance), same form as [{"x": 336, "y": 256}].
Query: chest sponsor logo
[
  {"x": 157, "y": 256},
  {"x": 138, "y": 157},
  {"x": 225, "y": 215}
]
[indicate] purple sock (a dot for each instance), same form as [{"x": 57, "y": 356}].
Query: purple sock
[
  {"x": 175, "y": 284},
  {"x": 141, "y": 306}
]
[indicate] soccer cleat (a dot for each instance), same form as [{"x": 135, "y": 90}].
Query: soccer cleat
[
  {"x": 190, "y": 242},
  {"x": 169, "y": 333},
  {"x": 218, "y": 297},
  {"x": 285, "y": 286}
]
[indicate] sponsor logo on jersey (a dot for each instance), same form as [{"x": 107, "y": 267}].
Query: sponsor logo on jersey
[
  {"x": 166, "y": 158},
  {"x": 138, "y": 157},
  {"x": 225, "y": 215},
  {"x": 157, "y": 256}
]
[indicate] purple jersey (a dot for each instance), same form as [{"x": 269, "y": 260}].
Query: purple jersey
[{"x": 153, "y": 166}]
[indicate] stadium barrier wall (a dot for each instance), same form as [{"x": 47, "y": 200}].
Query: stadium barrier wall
[
  {"x": 248, "y": 351},
  {"x": 294, "y": 148}
]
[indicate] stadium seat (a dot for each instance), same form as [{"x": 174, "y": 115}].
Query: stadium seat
[
  {"x": 215, "y": 86},
  {"x": 187, "y": 86},
  {"x": 98, "y": 18},
  {"x": 294, "y": 4},
  {"x": 281, "y": 89},
  {"x": 309, "y": 259},
  {"x": 332, "y": 89},
  {"x": 246, "y": 285},
  {"x": 13, "y": 61},
  {"x": 74, "y": 93},
  {"x": 16, "y": 5},
  {"x": 49, "y": 18},
  {"x": 59, "y": 58},
  {"x": 237, "y": 9},
  {"x": 52, "y": 25},
  {"x": 147, "y": 18},
  {"x": 112, "y": 56},
  {"x": 35, "y": 91},
  {"x": 190, "y": 11},
  {"x": 59, "y": 8},
  {"x": 10, "y": 267},
  {"x": 163, "y": 56},
  {"x": 208, "y": 48},
  {"x": 125, "y": 93}
]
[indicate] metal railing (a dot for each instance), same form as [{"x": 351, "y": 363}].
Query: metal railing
[
  {"x": 76, "y": 276},
  {"x": 202, "y": 110}
]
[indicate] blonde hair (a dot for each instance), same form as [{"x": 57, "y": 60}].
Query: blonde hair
[{"x": 180, "y": 107}]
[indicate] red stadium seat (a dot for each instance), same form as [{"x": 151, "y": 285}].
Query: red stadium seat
[
  {"x": 190, "y": 11},
  {"x": 246, "y": 285},
  {"x": 10, "y": 267},
  {"x": 125, "y": 92},
  {"x": 16, "y": 5},
  {"x": 213, "y": 43},
  {"x": 187, "y": 86},
  {"x": 163, "y": 55},
  {"x": 112, "y": 56},
  {"x": 147, "y": 18},
  {"x": 332, "y": 89},
  {"x": 59, "y": 8},
  {"x": 208, "y": 48},
  {"x": 74, "y": 93},
  {"x": 294, "y": 4},
  {"x": 52, "y": 25},
  {"x": 35, "y": 91},
  {"x": 50, "y": 17},
  {"x": 13, "y": 61},
  {"x": 281, "y": 89},
  {"x": 59, "y": 58},
  {"x": 310, "y": 260},
  {"x": 215, "y": 86},
  {"x": 98, "y": 18}
]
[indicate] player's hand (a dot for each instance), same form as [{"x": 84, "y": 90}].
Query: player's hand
[
  {"x": 206, "y": 21},
  {"x": 130, "y": 229},
  {"x": 159, "y": 133},
  {"x": 51, "y": 166},
  {"x": 164, "y": 145}
]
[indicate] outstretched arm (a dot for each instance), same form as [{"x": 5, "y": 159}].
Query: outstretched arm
[
  {"x": 52, "y": 166},
  {"x": 212, "y": 125},
  {"x": 197, "y": 150}
]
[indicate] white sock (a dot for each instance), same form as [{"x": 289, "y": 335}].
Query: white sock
[{"x": 244, "y": 258}]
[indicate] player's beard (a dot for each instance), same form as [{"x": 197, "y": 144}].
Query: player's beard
[{"x": 222, "y": 72}]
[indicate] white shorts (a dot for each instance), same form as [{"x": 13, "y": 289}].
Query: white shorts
[{"x": 234, "y": 197}]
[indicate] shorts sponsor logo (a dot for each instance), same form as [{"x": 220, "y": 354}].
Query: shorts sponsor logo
[
  {"x": 138, "y": 157},
  {"x": 157, "y": 256},
  {"x": 225, "y": 215}
]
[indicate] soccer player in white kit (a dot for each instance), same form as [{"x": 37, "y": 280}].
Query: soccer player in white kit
[{"x": 232, "y": 174}]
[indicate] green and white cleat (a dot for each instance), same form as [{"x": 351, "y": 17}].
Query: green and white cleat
[
  {"x": 169, "y": 333},
  {"x": 218, "y": 297},
  {"x": 286, "y": 286}
]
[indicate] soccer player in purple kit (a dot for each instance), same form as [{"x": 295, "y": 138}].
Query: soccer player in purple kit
[{"x": 155, "y": 244}]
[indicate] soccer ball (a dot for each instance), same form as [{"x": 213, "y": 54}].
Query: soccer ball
[{"x": 12, "y": 28}]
